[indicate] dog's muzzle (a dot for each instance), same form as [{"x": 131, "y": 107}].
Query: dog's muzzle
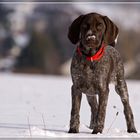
[{"x": 91, "y": 37}]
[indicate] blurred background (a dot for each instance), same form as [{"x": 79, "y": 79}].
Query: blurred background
[{"x": 33, "y": 36}]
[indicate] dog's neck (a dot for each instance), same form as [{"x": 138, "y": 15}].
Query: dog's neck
[
  {"x": 89, "y": 52},
  {"x": 93, "y": 54}
]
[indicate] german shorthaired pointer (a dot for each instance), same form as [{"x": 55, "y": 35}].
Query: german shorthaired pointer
[{"x": 95, "y": 64}]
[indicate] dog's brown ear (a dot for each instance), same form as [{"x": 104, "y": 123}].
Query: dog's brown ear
[
  {"x": 111, "y": 32},
  {"x": 74, "y": 29}
]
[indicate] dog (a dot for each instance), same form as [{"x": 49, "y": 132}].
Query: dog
[{"x": 94, "y": 65}]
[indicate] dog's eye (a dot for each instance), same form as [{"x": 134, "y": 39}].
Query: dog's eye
[
  {"x": 84, "y": 26},
  {"x": 99, "y": 26}
]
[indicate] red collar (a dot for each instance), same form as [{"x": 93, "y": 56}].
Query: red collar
[{"x": 95, "y": 57}]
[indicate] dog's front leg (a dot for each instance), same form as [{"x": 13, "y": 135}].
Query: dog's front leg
[
  {"x": 103, "y": 98},
  {"x": 76, "y": 103},
  {"x": 94, "y": 108}
]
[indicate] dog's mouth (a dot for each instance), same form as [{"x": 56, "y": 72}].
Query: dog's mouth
[
  {"x": 90, "y": 44},
  {"x": 91, "y": 40}
]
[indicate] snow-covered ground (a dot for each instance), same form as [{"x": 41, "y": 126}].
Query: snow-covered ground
[{"x": 39, "y": 106}]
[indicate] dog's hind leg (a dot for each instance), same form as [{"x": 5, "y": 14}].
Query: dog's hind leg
[
  {"x": 121, "y": 89},
  {"x": 76, "y": 103},
  {"x": 94, "y": 108}
]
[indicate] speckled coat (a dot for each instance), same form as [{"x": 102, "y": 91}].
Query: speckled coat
[{"x": 92, "y": 78}]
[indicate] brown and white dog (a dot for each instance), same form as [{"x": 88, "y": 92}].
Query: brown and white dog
[{"x": 95, "y": 63}]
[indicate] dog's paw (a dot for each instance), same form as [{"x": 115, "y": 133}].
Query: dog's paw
[
  {"x": 73, "y": 130},
  {"x": 132, "y": 130},
  {"x": 97, "y": 130}
]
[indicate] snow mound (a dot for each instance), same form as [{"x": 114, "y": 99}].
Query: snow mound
[
  {"x": 84, "y": 133},
  {"x": 37, "y": 132}
]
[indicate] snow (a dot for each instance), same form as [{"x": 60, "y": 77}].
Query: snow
[{"x": 39, "y": 106}]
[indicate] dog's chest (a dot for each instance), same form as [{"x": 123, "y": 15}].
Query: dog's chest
[
  {"x": 84, "y": 75},
  {"x": 87, "y": 71}
]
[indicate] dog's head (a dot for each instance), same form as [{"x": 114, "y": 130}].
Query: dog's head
[{"x": 91, "y": 30}]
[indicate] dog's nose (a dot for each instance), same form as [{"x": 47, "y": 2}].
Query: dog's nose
[
  {"x": 89, "y": 33},
  {"x": 93, "y": 37}
]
